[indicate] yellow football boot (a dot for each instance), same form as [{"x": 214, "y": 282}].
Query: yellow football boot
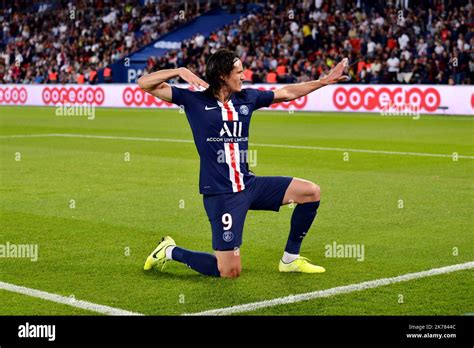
[
  {"x": 158, "y": 256},
  {"x": 302, "y": 265}
]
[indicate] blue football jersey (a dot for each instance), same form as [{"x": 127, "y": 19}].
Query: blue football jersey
[{"x": 221, "y": 132}]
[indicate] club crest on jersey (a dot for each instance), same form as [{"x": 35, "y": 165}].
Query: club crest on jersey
[
  {"x": 228, "y": 236},
  {"x": 244, "y": 110},
  {"x": 236, "y": 129}
]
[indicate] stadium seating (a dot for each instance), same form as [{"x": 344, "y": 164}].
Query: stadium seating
[
  {"x": 68, "y": 42},
  {"x": 389, "y": 42}
]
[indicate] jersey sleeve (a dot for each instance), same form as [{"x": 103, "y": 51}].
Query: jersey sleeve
[
  {"x": 180, "y": 96},
  {"x": 262, "y": 99}
]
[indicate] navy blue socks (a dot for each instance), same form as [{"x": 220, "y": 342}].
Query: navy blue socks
[
  {"x": 203, "y": 263},
  {"x": 301, "y": 220}
]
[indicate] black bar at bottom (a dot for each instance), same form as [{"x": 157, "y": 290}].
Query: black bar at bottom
[{"x": 414, "y": 331}]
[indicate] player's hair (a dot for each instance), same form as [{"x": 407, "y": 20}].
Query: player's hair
[{"x": 221, "y": 63}]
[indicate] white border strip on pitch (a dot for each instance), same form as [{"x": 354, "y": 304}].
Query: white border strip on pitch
[
  {"x": 65, "y": 300},
  {"x": 93, "y": 136},
  {"x": 302, "y": 147},
  {"x": 335, "y": 291}
]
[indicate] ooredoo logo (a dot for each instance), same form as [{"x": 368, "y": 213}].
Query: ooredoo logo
[
  {"x": 137, "y": 96},
  {"x": 13, "y": 95},
  {"x": 73, "y": 95},
  {"x": 369, "y": 98}
]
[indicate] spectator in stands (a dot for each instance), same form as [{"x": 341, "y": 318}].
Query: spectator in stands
[
  {"x": 53, "y": 76},
  {"x": 93, "y": 76},
  {"x": 107, "y": 74},
  {"x": 80, "y": 79},
  {"x": 281, "y": 72},
  {"x": 98, "y": 34},
  {"x": 271, "y": 77},
  {"x": 393, "y": 64}
]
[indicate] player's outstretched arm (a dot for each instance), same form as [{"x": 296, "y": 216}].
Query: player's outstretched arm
[
  {"x": 155, "y": 83},
  {"x": 298, "y": 90}
]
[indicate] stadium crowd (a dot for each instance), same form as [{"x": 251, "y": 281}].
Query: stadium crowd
[
  {"x": 69, "y": 41},
  {"x": 388, "y": 41}
]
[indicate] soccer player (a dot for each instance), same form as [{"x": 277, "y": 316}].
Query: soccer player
[{"x": 219, "y": 118}]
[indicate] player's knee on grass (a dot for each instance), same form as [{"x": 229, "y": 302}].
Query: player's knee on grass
[
  {"x": 228, "y": 263},
  {"x": 230, "y": 272}
]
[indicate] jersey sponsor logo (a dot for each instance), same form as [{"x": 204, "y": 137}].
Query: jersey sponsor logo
[
  {"x": 210, "y": 108},
  {"x": 236, "y": 131},
  {"x": 227, "y": 139}
]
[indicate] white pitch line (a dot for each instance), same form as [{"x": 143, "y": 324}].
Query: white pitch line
[
  {"x": 25, "y": 136},
  {"x": 92, "y": 136},
  {"x": 335, "y": 291},
  {"x": 301, "y": 147},
  {"x": 65, "y": 300},
  {"x": 361, "y": 150}
]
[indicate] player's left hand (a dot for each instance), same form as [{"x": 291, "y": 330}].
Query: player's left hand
[
  {"x": 336, "y": 73},
  {"x": 192, "y": 79}
]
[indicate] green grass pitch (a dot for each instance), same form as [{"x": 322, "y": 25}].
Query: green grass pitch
[{"x": 96, "y": 250}]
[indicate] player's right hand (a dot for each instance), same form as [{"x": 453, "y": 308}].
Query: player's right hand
[{"x": 192, "y": 79}]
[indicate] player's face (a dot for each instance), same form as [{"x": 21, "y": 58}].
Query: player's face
[{"x": 236, "y": 77}]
